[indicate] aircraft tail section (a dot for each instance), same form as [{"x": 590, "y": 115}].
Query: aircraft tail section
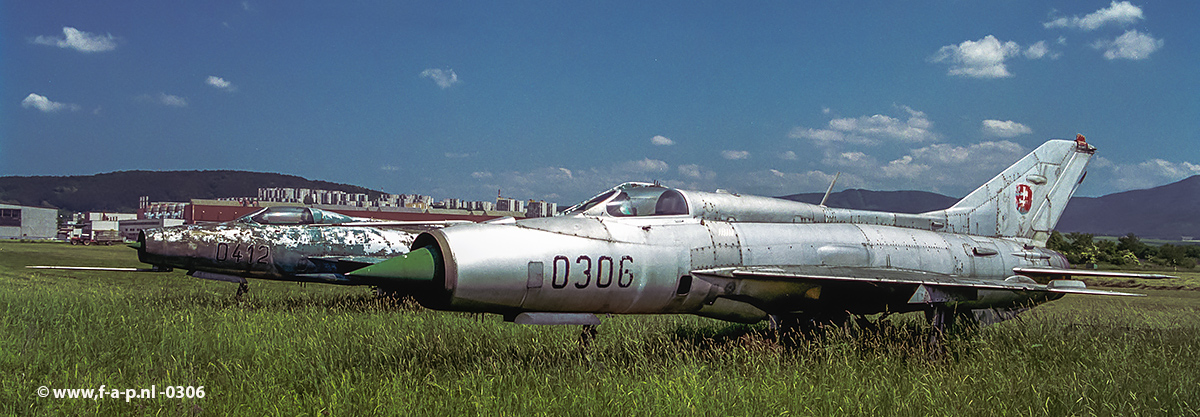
[{"x": 1027, "y": 199}]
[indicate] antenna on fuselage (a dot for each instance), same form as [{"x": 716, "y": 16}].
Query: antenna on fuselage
[{"x": 831, "y": 183}]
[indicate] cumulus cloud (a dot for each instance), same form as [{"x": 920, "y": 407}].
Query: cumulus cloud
[
  {"x": 1132, "y": 45},
  {"x": 938, "y": 167},
  {"x": 660, "y": 140},
  {"x": 444, "y": 78},
  {"x": 79, "y": 40},
  {"x": 849, "y": 159},
  {"x": 978, "y": 59},
  {"x": 220, "y": 83},
  {"x": 871, "y": 130},
  {"x": 788, "y": 156},
  {"x": 481, "y": 174},
  {"x": 39, "y": 102},
  {"x": 904, "y": 168},
  {"x": 644, "y": 165},
  {"x": 1122, "y": 13},
  {"x": 1147, "y": 174},
  {"x": 1040, "y": 50},
  {"x": 171, "y": 100},
  {"x": 1005, "y": 128},
  {"x": 735, "y": 155},
  {"x": 696, "y": 172}
]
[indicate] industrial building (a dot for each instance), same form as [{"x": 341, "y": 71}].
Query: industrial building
[{"x": 22, "y": 222}]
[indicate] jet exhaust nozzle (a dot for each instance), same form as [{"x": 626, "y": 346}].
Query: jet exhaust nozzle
[{"x": 416, "y": 265}]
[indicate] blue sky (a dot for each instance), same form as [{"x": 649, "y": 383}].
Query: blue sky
[{"x": 558, "y": 100}]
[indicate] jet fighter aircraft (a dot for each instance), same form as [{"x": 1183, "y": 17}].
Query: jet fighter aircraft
[
  {"x": 277, "y": 243},
  {"x": 648, "y": 249}
]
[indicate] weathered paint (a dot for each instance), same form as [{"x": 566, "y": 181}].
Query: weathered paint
[{"x": 246, "y": 248}]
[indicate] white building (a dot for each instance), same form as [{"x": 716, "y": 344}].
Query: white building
[{"x": 22, "y": 222}]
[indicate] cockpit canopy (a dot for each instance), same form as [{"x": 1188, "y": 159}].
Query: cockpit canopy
[
  {"x": 634, "y": 199},
  {"x": 280, "y": 215}
]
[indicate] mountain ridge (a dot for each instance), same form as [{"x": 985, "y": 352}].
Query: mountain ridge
[{"x": 119, "y": 191}]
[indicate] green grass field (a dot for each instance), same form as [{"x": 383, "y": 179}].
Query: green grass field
[{"x": 289, "y": 349}]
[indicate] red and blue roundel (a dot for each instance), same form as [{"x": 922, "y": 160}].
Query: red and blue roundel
[{"x": 1024, "y": 198}]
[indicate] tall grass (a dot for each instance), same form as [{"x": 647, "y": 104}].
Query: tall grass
[{"x": 288, "y": 349}]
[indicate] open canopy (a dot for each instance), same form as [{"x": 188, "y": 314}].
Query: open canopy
[
  {"x": 634, "y": 199},
  {"x": 280, "y": 215}
]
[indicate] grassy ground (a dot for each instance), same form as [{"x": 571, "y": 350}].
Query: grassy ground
[{"x": 288, "y": 349}]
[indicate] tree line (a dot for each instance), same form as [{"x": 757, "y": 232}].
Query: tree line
[{"x": 1128, "y": 250}]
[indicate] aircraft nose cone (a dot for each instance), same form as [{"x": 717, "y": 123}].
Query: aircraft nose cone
[{"x": 417, "y": 265}]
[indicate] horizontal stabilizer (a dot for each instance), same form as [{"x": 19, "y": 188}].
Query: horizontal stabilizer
[
  {"x": 1054, "y": 272},
  {"x": 99, "y": 268}
]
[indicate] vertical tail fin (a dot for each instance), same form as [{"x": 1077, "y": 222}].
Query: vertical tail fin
[{"x": 1027, "y": 199}]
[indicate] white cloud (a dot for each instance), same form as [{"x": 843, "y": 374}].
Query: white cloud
[
  {"x": 904, "y": 168},
  {"x": 735, "y": 155},
  {"x": 696, "y": 172},
  {"x": 1039, "y": 50},
  {"x": 1147, "y": 174},
  {"x": 871, "y": 130},
  {"x": 1005, "y": 129},
  {"x": 220, "y": 83},
  {"x": 978, "y": 59},
  {"x": 79, "y": 40},
  {"x": 44, "y": 104},
  {"x": 644, "y": 165},
  {"x": 828, "y": 136},
  {"x": 660, "y": 140},
  {"x": 171, "y": 100},
  {"x": 989, "y": 155},
  {"x": 481, "y": 174},
  {"x": 1123, "y": 13},
  {"x": 788, "y": 156},
  {"x": 389, "y": 168},
  {"x": 444, "y": 78},
  {"x": 774, "y": 182},
  {"x": 849, "y": 159},
  {"x": 1132, "y": 45}
]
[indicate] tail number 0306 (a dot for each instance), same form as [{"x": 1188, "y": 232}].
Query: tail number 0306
[{"x": 600, "y": 272}]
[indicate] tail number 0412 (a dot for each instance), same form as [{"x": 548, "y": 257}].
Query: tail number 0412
[{"x": 601, "y": 272}]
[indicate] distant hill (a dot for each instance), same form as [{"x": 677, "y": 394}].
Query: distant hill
[
  {"x": 1170, "y": 212},
  {"x": 1167, "y": 212},
  {"x": 119, "y": 191}
]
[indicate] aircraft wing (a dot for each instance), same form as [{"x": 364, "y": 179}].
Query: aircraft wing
[
  {"x": 98, "y": 268},
  {"x": 884, "y": 277},
  {"x": 1053, "y": 272}
]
